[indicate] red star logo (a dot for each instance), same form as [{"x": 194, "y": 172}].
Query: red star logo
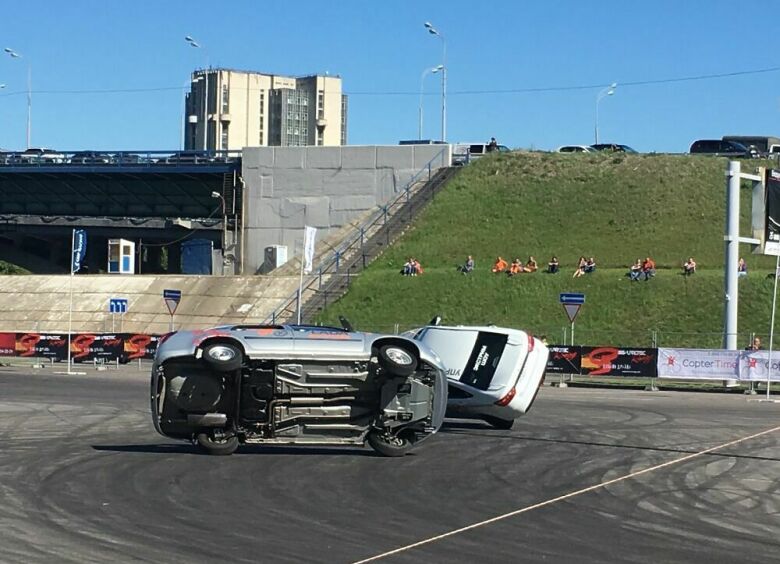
[
  {"x": 751, "y": 363},
  {"x": 670, "y": 361}
]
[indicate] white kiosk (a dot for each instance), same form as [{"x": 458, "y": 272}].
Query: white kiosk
[{"x": 121, "y": 256}]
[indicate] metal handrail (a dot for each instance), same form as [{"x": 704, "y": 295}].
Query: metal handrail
[{"x": 351, "y": 241}]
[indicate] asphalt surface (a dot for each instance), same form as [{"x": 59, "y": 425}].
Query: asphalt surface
[{"x": 85, "y": 478}]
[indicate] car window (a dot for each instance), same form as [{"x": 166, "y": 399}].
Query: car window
[
  {"x": 484, "y": 359},
  {"x": 476, "y": 149}
]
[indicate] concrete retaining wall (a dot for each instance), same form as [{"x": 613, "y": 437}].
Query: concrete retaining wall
[{"x": 287, "y": 188}]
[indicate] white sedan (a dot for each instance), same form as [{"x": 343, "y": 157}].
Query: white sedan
[{"x": 494, "y": 373}]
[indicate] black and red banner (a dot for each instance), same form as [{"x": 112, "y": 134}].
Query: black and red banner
[
  {"x": 563, "y": 359},
  {"x": 613, "y": 361},
  {"x": 84, "y": 347}
]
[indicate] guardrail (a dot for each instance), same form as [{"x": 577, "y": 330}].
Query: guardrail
[
  {"x": 50, "y": 157},
  {"x": 353, "y": 243}
]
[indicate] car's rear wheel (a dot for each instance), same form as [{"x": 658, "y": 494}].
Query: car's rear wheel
[
  {"x": 387, "y": 444},
  {"x": 398, "y": 361},
  {"x": 498, "y": 423},
  {"x": 217, "y": 445},
  {"x": 223, "y": 357}
]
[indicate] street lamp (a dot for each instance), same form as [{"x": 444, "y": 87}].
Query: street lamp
[
  {"x": 608, "y": 91},
  {"x": 193, "y": 43},
  {"x": 14, "y": 55},
  {"x": 433, "y": 31},
  {"x": 433, "y": 70},
  {"x": 224, "y": 228}
]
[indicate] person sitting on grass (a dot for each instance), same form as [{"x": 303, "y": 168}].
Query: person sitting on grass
[
  {"x": 553, "y": 265},
  {"x": 416, "y": 268},
  {"x": 689, "y": 267},
  {"x": 468, "y": 267},
  {"x": 636, "y": 270},
  {"x": 590, "y": 266},
  {"x": 531, "y": 265},
  {"x": 580, "y": 267},
  {"x": 648, "y": 268},
  {"x": 499, "y": 266},
  {"x": 515, "y": 268},
  {"x": 741, "y": 268},
  {"x": 408, "y": 267}
]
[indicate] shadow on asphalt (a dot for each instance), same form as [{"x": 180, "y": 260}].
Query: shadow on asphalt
[
  {"x": 185, "y": 448},
  {"x": 505, "y": 435}
]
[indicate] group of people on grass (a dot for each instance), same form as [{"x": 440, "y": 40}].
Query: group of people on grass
[
  {"x": 515, "y": 267},
  {"x": 412, "y": 267},
  {"x": 642, "y": 269}
]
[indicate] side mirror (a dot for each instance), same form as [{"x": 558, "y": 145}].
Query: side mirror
[{"x": 435, "y": 321}]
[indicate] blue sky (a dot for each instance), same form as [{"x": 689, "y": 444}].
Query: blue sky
[{"x": 527, "y": 72}]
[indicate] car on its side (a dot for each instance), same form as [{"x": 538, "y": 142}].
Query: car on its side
[
  {"x": 575, "y": 149},
  {"x": 612, "y": 148},
  {"x": 720, "y": 147},
  {"x": 494, "y": 373},
  {"x": 296, "y": 385}
]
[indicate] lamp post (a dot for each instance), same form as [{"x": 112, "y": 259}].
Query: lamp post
[
  {"x": 192, "y": 43},
  {"x": 433, "y": 31},
  {"x": 14, "y": 55},
  {"x": 224, "y": 227},
  {"x": 433, "y": 70},
  {"x": 608, "y": 91}
]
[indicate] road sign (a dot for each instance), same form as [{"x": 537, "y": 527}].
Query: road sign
[
  {"x": 172, "y": 299},
  {"x": 571, "y": 305},
  {"x": 117, "y": 305}
]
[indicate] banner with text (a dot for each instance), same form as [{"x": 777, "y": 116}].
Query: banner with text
[
  {"x": 614, "y": 361},
  {"x": 754, "y": 365},
  {"x": 563, "y": 359},
  {"x": 702, "y": 364}
]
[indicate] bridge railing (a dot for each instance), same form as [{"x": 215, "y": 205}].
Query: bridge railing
[{"x": 51, "y": 157}]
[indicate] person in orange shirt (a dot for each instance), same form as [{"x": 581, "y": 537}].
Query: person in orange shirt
[
  {"x": 516, "y": 267},
  {"x": 500, "y": 265},
  {"x": 531, "y": 265},
  {"x": 416, "y": 268},
  {"x": 648, "y": 268}
]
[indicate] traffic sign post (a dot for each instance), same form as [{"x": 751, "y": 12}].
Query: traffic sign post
[
  {"x": 172, "y": 299},
  {"x": 571, "y": 305},
  {"x": 117, "y": 305}
]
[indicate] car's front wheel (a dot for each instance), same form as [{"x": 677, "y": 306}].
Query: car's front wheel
[
  {"x": 223, "y": 357},
  {"x": 387, "y": 444},
  {"x": 498, "y": 423},
  {"x": 217, "y": 445},
  {"x": 397, "y": 360}
]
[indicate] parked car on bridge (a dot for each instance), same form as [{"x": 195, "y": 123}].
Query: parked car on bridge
[
  {"x": 494, "y": 373},
  {"x": 90, "y": 157},
  {"x": 37, "y": 156},
  {"x": 296, "y": 385},
  {"x": 575, "y": 149},
  {"x": 613, "y": 148},
  {"x": 720, "y": 147}
]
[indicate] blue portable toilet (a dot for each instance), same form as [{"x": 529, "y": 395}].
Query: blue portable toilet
[{"x": 121, "y": 256}]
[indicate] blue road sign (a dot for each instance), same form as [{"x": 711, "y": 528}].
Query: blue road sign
[
  {"x": 174, "y": 295},
  {"x": 117, "y": 305},
  {"x": 574, "y": 299}
]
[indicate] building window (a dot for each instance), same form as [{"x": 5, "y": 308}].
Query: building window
[
  {"x": 320, "y": 140},
  {"x": 225, "y": 98},
  {"x": 225, "y": 137},
  {"x": 320, "y": 104},
  {"x": 343, "y": 120}
]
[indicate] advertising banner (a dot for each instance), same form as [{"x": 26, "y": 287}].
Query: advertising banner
[
  {"x": 753, "y": 365},
  {"x": 139, "y": 345},
  {"x": 772, "y": 217},
  {"x": 90, "y": 346},
  {"x": 563, "y": 359},
  {"x": 614, "y": 361},
  {"x": 40, "y": 344},
  {"x": 698, "y": 364},
  {"x": 7, "y": 344}
]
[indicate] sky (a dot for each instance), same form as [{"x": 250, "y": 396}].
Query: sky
[{"x": 112, "y": 75}]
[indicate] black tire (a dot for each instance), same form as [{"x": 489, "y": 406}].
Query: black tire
[
  {"x": 223, "y": 357},
  {"x": 498, "y": 423},
  {"x": 397, "y": 360},
  {"x": 391, "y": 445},
  {"x": 217, "y": 447}
]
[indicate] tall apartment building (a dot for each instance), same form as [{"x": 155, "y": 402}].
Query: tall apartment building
[{"x": 250, "y": 109}]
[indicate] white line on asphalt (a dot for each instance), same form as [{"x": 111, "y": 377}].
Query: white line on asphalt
[{"x": 560, "y": 498}]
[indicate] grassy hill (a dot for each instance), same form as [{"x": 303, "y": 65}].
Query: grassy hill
[{"x": 614, "y": 207}]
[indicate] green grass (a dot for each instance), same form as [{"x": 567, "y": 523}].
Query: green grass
[
  {"x": 614, "y": 207},
  {"x": 9, "y": 268}
]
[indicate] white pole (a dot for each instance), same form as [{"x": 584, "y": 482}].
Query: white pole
[
  {"x": 444, "y": 90},
  {"x": 206, "y": 108},
  {"x": 572, "y": 333},
  {"x": 420, "y": 106},
  {"x": 732, "y": 255},
  {"x": 29, "y": 102},
  {"x": 300, "y": 282},
  {"x": 70, "y": 308},
  {"x": 772, "y": 328}
]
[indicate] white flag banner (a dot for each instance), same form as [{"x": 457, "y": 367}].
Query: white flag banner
[
  {"x": 308, "y": 249},
  {"x": 754, "y": 365},
  {"x": 701, "y": 364}
]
